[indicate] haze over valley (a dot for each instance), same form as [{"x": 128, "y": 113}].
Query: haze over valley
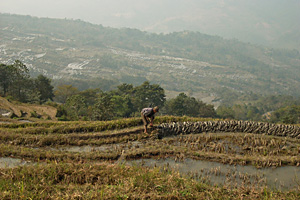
[
  {"x": 273, "y": 23},
  {"x": 204, "y": 48}
]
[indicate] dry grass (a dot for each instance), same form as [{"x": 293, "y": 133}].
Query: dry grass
[
  {"x": 232, "y": 148},
  {"x": 106, "y": 181},
  {"x": 18, "y": 108},
  {"x": 63, "y": 174}
]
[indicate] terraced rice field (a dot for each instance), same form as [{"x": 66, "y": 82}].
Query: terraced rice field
[{"x": 182, "y": 158}]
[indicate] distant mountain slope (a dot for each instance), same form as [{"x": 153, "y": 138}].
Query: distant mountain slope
[
  {"x": 263, "y": 22},
  {"x": 257, "y": 21},
  {"x": 181, "y": 61}
]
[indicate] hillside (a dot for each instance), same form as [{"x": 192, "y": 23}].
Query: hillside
[
  {"x": 96, "y": 56},
  {"x": 26, "y": 111},
  {"x": 272, "y": 23}
]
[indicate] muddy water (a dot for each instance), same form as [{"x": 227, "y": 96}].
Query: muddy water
[
  {"x": 282, "y": 178},
  {"x": 105, "y": 148},
  {"x": 4, "y": 122},
  {"x": 86, "y": 148},
  {"x": 214, "y": 173},
  {"x": 12, "y": 162},
  {"x": 25, "y": 121}
]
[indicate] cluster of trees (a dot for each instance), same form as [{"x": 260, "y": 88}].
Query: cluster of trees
[
  {"x": 189, "y": 106},
  {"x": 125, "y": 101},
  {"x": 287, "y": 115},
  {"x": 240, "y": 112},
  {"x": 283, "y": 109},
  {"x": 15, "y": 82},
  {"x": 94, "y": 104}
]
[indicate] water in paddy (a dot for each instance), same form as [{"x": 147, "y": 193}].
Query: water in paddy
[
  {"x": 4, "y": 122},
  {"x": 25, "y": 121},
  {"x": 12, "y": 162},
  {"x": 105, "y": 147},
  {"x": 281, "y": 178}
]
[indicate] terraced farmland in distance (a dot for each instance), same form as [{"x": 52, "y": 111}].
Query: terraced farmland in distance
[{"x": 182, "y": 158}]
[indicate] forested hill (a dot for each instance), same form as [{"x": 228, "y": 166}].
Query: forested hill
[{"x": 97, "y": 56}]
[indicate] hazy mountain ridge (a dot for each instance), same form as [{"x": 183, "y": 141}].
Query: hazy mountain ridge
[
  {"x": 180, "y": 61},
  {"x": 270, "y": 23},
  {"x": 255, "y": 21}
]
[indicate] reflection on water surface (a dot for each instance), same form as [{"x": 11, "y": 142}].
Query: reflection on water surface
[{"x": 281, "y": 178}]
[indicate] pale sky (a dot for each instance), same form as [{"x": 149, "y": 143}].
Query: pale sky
[{"x": 95, "y": 11}]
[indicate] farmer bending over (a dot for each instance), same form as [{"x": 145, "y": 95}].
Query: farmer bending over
[{"x": 148, "y": 115}]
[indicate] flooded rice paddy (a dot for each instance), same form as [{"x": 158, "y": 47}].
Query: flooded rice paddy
[
  {"x": 233, "y": 159},
  {"x": 283, "y": 178},
  {"x": 213, "y": 173},
  {"x": 6, "y": 162}
]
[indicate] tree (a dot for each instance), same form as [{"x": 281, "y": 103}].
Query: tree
[
  {"x": 61, "y": 113},
  {"x": 147, "y": 94},
  {"x": 6, "y": 78},
  {"x": 287, "y": 115},
  {"x": 64, "y": 91},
  {"x": 225, "y": 112},
  {"x": 76, "y": 107},
  {"x": 125, "y": 89},
  {"x": 185, "y": 105},
  {"x": 14, "y": 79},
  {"x": 44, "y": 87},
  {"x": 91, "y": 95},
  {"x": 103, "y": 108},
  {"x": 206, "y": 110},
  {"x": 176, "y": 106},
  {"x": 253, "y": 113},
  {"x": 20, "y": 79},
  {"x": 122, "y": 105},
  {"x": 240, "y": 111}
]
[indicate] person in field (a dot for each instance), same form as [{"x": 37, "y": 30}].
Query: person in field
[{"x": 148, "y": 116}]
